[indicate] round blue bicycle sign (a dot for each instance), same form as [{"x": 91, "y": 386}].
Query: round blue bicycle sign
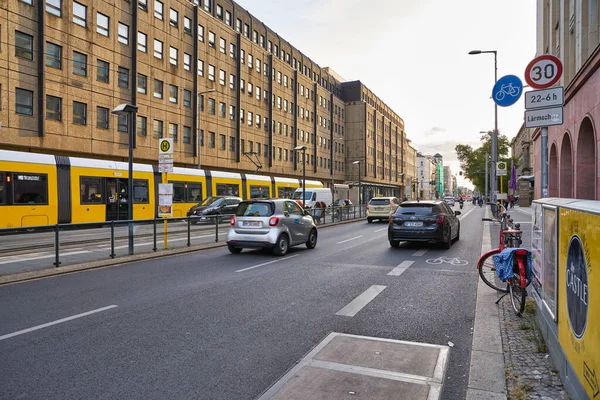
[{"x": 507, "y": 90}]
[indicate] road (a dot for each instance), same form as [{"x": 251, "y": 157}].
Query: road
[{"x": 212, "y": 325}]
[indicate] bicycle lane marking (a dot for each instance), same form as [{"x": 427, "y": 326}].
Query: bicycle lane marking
[{"x": 447, "y": 260}]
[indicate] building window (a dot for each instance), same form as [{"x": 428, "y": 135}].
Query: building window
[
  {"x": 53, "y": 55},
  {"x": 158, "y": 128},
  {"x": 101, "y": 117},
  {"x": 250, "y": 61},
  {"x": 158, "y": 49},
  {"x": 173, "y": 18},
  {"x": 221, "y": 109},
  {"x": 143, "y": 5},
  {"x": 201, "y": 138},
  {"x": 53, "y": 108},
  {"x": 187, "y": 26},
  {"x": 173, "y": 55},
  {"x": 262, "y": 41},
  {"x": 257, "y": 121},
  {"x": 122, "y": 122},
  {"x": 187, "y": 98},
  {"x": 231, "y": 143},
  {"x": 228, "y": 18},
  {"x": 247, "y": 30},
  {"x": 250, "y": 89},
  {"x": 123, "y": 77},
  {"x": 158, "y": 89},
  {"x": 200, "y": 67},
  {"x": 211, "y": 39},
  {"x": 222, "y": 75},
  {"x": 232, "y": 50},
  {"x": 232, "y": 81},
  {"x": 141, "y": 125},
  {"x": 24, "y": 101},
  {"x": 250, "y": 118},
  {"x": 173, "y": 93},
  {"x": 232, "y": 113},
  {"x": 79, "y": 14},
  {"x": 102, "y": 69},
  {"x": 257, "y": 65},
  {"x": 102, "y": 24},
  {"x": 187, "y": 62},
  {"x": 242, "y": 56},
  {"x": 123, "y": 33},
  {"x": 211, "y": 140},
  {"x": 173, "y": 128},
  {"x": 79, "y": 64},
  {"x": 187, "y": 135},
  {"x": 142, "y": 42},
  {"x": 211, "y": 72},
  {"x": 258, "y": 92},
  {"x": 238, "y": 25},
  {"x": 79, "y": 113},
  {"x": 23, "y": 45},
  {"x": 54, "y": 7},
  {"x": 255, "y": 37},
  {"x": 211, "y": 106},
  {"x": 242, "y": 85},
  {"x": 222, "y": 45},
  {"x": 201, "y": 33},
  {"x": 222, "y": 142},
  {"x": 219, "y": 12},
  {"x": 142, "y": 83},
  {"x": 158, "y": 9},
  {"x": 208, "y": 5}
]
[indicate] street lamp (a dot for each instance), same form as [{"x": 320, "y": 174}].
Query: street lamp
[
  {"x": 359, "y": 189},
  {"x": 129, "y": 110},
  {"x": 333, "y": 170},
  {"x": 494, "y": 184},
  {"x": 303, "y": 149},
  {"x": 199, "y": 130}
]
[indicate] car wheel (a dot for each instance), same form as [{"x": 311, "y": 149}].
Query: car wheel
[
  {"x": 448, "y": 243},
  {"x": 312, "y": 239},
  {"x": 282, "y": 245},
  {"x": 369, "y": 220},
  {"x": 234, "y": 249},
  {"x": 394, "y": 243}
]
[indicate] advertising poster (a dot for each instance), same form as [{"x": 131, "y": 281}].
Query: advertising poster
[
  {"x": 537, "y": 251},
  {"x": 165, "y": 200},
  {"x": 549, "y": 268},
  {"x": 578, "y": 299}
]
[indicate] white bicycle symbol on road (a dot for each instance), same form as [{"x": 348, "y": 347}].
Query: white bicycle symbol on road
[
  {"x": 446, "y": 260},
  {"x": 508, "y": 90}
]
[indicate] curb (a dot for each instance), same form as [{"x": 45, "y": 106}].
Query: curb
[
  {"x": 487, "y": 377},
  {"x": 49, "y": 272}
]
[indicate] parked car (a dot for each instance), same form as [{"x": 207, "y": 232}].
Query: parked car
[
  {"x": 449, "y": 200},
  {"x": 313, "y": 195},
  {"x": 206, "y": 210},
  {"x": 431, "y": 221},
  {"x": 275, "y": 224},
  {"x": 381, "y": 208}
]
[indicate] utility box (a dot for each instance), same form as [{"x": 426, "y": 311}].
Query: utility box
[{"x": 566, "y": 286}]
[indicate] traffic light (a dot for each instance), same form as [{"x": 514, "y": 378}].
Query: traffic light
[{"x": 460, "y": 172}]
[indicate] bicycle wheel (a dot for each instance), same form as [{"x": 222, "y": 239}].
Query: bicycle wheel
[
  {"x": 487, "y": 271},
  {"x": 517, "y": 295}
]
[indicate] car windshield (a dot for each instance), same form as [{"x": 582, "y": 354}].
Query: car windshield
[
  {"x": 415, "y": 209},
  {"x": 211, "y": 201},
  {"x": 298, "y": 195},
  {"x": 380, "y": 202},
  {"x": 254, "y": 209}
]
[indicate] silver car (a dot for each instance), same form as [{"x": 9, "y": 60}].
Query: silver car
[{"x": 272, "y": 224}]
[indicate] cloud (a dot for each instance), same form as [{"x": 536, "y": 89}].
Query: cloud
[{"x": 434, "y": 131}]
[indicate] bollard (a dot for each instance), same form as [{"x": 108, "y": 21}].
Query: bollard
[
  {"x": 217, "y": 229},
  {"x": 189, "y": 243},
  {"x": 112, "y": 239},
  {"x": 56, "y": 246},
  {"x": 154, "y": 223}
]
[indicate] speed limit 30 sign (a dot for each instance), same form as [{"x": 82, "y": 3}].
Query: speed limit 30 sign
[{"x": 543, "y": 71}]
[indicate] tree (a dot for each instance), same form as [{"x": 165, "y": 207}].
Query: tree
[{"x": 472, "y": 161}]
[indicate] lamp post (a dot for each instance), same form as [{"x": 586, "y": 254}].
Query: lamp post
[
  {"x": 333, "y": 171},
  {"x": 303, "y": 149},
  {"x": 129, "y": 110},
  {"x": 359, "y": 189},
  {"x": 494, "y": 183},
  {"x": 199, "y": 130}
]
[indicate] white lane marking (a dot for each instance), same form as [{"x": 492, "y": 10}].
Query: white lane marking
[
  {"x": 401, "y": 268},
  {"x": 420, "y": 253},
  {"x": 267, "y": 263},
  {"x": 347, "y": 240},
  {"x": 361, "y": 301},
  {"x": 14, "y": 259},
  {"x": 379, "y": 230},
  {"x": 58, "y": 321},
  {"x": 464, "y": 215}
]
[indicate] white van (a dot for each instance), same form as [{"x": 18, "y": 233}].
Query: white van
[{"x": 313, "y": 195}]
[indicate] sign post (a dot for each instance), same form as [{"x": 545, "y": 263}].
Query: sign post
[
  {"x": 544, "y": 108},
  {"x": 165, "y": 190}
]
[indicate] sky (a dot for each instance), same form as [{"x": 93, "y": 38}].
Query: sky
[{"x": 413, "y": 54}]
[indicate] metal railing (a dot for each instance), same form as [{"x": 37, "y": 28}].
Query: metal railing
[{"x": 103, "y": 239}]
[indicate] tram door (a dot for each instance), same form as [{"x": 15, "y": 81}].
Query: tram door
[{"x": 116, "y": 199}]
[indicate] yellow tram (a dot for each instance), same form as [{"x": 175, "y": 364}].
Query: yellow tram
[{"x": 41, "y": 189}]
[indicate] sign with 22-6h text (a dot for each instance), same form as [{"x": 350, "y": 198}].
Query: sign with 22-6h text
[{"x": 578, "y": 295}]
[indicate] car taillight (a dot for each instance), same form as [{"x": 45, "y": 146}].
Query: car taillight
[
  {"x": 397, "y": 220},
  {"x": 440, "y": 220},
  {"x": 273, "y": 221},
  {"x": 233, "y": 220},
  {"x": 367, "y": 206}
]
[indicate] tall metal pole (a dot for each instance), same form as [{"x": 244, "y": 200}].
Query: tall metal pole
[
  {"x": 130, "y": 183},
  {"x": 544, "y": 162},
  {"x": 495, "y": 136},
  {"x": 333, "y": 175},
  {"x": 486, "y": 174},
  {"x": 303, "y": 176},
  {"x": 359, "y": 192}
]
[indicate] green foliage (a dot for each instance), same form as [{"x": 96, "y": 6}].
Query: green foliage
[{"x": 472, "y": 161}]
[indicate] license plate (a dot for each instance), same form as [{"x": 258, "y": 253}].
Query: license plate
[
  {"x": 413, "y": 224},
  {"x": 250, "y": 223},
  {"x": 378, "y": 209}
]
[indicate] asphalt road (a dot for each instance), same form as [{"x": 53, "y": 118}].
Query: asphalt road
[{"x": 211, "y": 325}]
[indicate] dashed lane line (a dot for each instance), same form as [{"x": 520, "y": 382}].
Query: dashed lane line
[
  {"x": 348, "y": 240},
  {"x": 420, "y": 253},
  {"x": 361, "y": 301},
  {"x": 401, "y": 268},
  {"x": 266, "y": 263}
]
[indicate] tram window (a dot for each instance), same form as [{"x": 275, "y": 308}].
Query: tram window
[
  {"x": 2, "y": 189},
  {"x": 30, "y": 188},
  {"x": 194, "y": 192},
  {"x": 228, "y": 190},
  {"x": 91, "y": 190},
  {"x": 140, "y": 191},
  {"x": 286, "y": 192},
  {"x": 258, "y": 192},
  {"x": 178, "y": 192},
  {"x": 184, "y": 192}
]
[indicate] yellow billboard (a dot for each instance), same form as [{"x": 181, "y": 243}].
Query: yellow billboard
[{"x": 579, "y": 295}]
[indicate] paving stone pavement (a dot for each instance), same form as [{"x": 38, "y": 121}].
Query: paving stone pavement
[{"x": 530, "y": 373}]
